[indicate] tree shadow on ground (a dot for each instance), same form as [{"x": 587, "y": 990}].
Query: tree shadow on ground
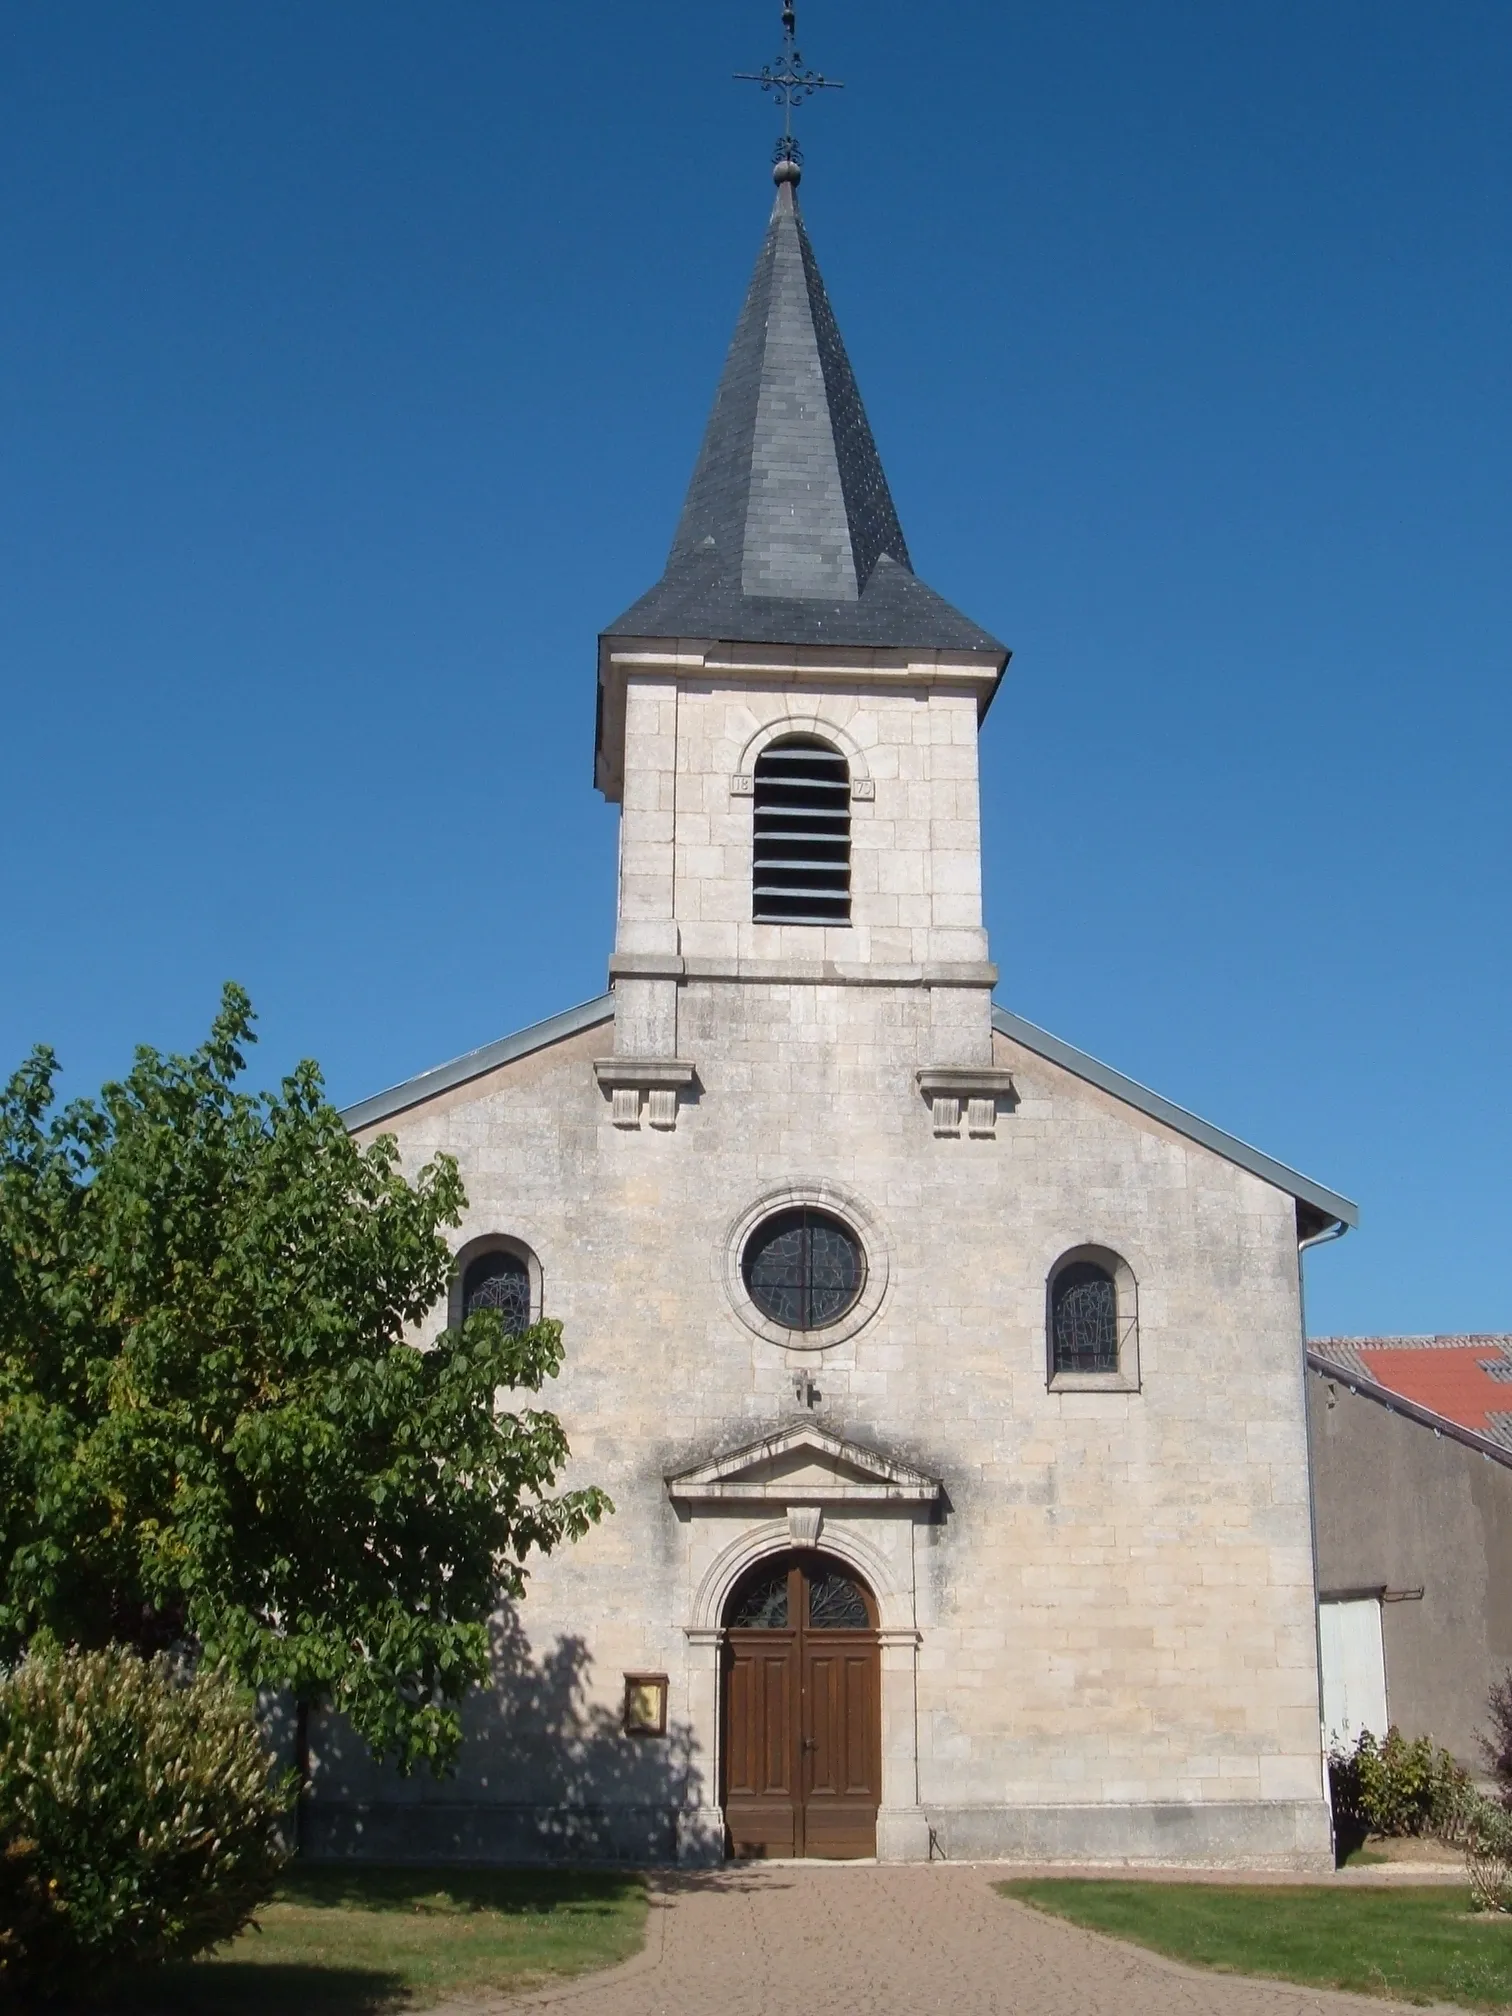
[
  {"x": 572, "y": 1908},
  {"x": 247, "y": 1988},
  {"x": 452, "y": 1892}
]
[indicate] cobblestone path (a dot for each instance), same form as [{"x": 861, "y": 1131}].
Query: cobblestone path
[{"x": 817, "y": 1940}]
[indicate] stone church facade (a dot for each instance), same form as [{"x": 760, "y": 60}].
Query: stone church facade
[{"x": 949, "y": 1387}]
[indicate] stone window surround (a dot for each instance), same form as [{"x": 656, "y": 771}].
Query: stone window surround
[
  {"x": 821, "y": 1196},
  {"x": 743, "y": 777},
  {"x": 493, "y": 1242},
  {"x": 1126, "y": 1306}
]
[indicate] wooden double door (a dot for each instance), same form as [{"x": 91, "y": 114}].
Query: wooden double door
[{"x": 802, "y": 1753}]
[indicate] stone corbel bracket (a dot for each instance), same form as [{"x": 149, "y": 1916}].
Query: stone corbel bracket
[
  {"x": 644, "y": 1084},
  {"x": 976, "y": 1090}
]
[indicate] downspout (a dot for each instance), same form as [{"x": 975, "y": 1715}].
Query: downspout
[{"x": 1334, "y": 1231}]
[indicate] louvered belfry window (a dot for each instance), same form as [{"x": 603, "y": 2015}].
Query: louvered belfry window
[{"x": 801, "y": 870}]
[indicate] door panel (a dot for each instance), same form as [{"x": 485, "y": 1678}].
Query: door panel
[
  {"x": 802, "y": 1765},
  {"x": 761, "y": 1743},
  {"x": 842, "y": 1787},
  {"x": 1354, "y": 1668},
  {"x": 863, "y": 1726}
]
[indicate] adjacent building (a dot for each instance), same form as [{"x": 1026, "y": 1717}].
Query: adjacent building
[{"x": 1412, "y": 1464}]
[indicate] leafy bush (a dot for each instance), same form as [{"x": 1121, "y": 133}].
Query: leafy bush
[
  {"x": 1483, "y": 1828},
  {"x": 1391, "y": 1786},
  {"x": 139, "y": 1819},
  {"x": 1496, "y": 1748}
]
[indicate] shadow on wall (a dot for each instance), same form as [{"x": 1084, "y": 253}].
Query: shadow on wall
[{"x": 547, "y": 1774}]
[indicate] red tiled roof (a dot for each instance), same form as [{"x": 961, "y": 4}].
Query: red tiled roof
[{"x": 1467, "y": 1380}]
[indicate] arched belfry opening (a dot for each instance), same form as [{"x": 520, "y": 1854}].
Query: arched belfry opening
[
  {"x": 802, "y": 1748},
  {"x": 800, "y": 862}
]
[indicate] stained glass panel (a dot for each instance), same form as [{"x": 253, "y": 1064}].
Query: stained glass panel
[
  {"x": 499, "y": 1281},
  {"x": 764, "y": 1606},
  {"x": 1085, "y": 1319},
  {"x": 804, "y": 1268},
  {"x": 836, "y": 1604}
]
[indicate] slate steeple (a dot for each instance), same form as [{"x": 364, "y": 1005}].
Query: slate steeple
[{"x": 788, "y": 533}]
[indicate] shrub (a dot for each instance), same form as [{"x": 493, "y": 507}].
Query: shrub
[
  {"x": 1392, "y": 1786},
  {"x": 1483, "y": 1828},
  {"x": 1496, "y": 1748},
  {"x": 139, "y": 1820}
]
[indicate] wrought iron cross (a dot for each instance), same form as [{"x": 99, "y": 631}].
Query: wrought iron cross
[{"x": 792, "y": 84}]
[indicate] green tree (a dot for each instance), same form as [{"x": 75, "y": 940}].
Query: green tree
[{"x": 215, "y": 1425}]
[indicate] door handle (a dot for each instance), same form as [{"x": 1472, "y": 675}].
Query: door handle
[{"x": 809, "y": 1743}]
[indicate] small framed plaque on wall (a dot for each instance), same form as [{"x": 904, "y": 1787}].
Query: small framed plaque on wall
[{"x": 645, "y": 1704}]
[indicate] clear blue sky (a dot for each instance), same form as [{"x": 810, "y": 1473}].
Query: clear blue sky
[{"x": 353, "y": 358}]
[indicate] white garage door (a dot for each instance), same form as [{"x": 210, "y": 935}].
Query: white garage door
[{"x": 1354, "y": 1668}]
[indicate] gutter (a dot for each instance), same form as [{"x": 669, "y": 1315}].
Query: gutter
[{"x": 1334, "y": 1230}]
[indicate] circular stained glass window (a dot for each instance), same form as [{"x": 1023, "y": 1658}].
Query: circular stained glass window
[{"x": 803, "y": 1268}]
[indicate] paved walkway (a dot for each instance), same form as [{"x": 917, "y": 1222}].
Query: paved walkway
[{"x": 815, "y": 1940}]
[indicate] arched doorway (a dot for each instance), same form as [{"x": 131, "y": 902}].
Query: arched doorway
[{"x": 802, "y": 1750}]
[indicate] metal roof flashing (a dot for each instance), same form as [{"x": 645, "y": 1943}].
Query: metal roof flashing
[
  {"x": 474, "y": 1064},
  {"x": 1329, "y": 1204},
  {"x": 1335, "y": 1208}
]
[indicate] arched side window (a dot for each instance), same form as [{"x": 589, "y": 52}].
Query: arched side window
[
  {"x": 801, "y": 831},
  {"x": 1092, "y": 1322},
  {"x": 497, "y": 1273}
]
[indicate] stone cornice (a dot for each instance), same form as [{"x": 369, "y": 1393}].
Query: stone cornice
[
  {"x": 987, "y": 1080},
  {"x": 804, "y": 972},
  {"x": 818, "y": 665},
  {"x": 643, "y": 1071}
]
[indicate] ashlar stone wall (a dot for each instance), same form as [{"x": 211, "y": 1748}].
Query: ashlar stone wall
[
  {"x": 1102, "y": 1636},
  {"x": 685, "y": 856}
]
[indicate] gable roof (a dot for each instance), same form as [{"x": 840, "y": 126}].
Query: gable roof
[
  {"x": 804, "y": 1462},
  {"x": 1333, "y": 1208},
  {"x": 1461, "y": 1381},
  {"x": 788, "y": 534},
  {"x": 384, "y": 1105}
]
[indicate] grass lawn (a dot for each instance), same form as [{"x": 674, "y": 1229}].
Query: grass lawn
[
  {"x": 358, "y": 1941},
  {"x": 1417, "y": 1943}
]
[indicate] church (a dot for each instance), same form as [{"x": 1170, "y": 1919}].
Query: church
[{"x": 949, "y": 1386}]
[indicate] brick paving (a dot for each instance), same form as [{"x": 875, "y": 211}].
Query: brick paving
[{"x": 816, "y": 1940}]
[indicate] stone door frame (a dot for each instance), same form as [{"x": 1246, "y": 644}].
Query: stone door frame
[{"x": 902, "y": 1831}]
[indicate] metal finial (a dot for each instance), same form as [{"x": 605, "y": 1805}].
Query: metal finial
[{"x": 792, "y": 84}]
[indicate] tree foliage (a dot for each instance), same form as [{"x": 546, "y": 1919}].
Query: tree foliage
[{"x": 214, "y": 1422}]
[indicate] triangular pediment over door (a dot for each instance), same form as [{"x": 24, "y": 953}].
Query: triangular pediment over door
[{"x": 803, "y": 1462}]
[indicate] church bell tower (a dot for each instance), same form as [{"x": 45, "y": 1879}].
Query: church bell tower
[{"x": 789, "y": 720}]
